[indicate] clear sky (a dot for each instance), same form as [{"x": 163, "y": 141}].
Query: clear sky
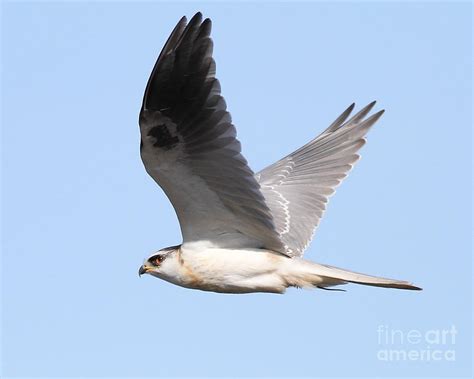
[{"x": 80, "y": 213}]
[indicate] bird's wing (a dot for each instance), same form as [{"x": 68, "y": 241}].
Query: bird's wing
[
  {"x": 297, "y": 187},
  {"x": 189, "y": 147}
]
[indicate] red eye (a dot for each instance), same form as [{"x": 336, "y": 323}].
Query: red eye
[{"x": 156, "y": 260}]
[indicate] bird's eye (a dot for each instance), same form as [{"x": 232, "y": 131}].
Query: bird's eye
[{"x": 156, "y": 260}]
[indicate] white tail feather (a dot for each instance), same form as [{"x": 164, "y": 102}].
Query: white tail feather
[{"x": 322, "y": 276}]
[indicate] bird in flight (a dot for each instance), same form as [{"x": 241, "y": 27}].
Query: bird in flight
[{"x": 242, "y": 231}]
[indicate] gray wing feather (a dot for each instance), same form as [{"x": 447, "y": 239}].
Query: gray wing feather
[
  {"x": 297, "y": 188},
  {"x": 189, "y": 147}
]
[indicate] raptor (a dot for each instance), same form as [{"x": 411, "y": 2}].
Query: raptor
[{"x": 242, "y": 231}]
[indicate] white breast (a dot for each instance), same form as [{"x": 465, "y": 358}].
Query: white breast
[{"x": 230, "y": 270}]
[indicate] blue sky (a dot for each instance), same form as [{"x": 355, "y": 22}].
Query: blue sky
[{"x": 79, "y": 212}]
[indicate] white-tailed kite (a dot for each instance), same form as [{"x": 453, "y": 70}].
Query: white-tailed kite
[{"x": 242, "y": 232}]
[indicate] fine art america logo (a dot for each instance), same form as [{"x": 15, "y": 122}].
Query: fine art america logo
[{"x": 416, "y": 345}]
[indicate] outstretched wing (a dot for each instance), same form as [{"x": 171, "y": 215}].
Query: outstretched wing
[
  {"x": 189, "y": 147},
  {"x": 297, "y": 187}
]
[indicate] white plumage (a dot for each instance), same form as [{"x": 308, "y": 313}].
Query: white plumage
[{"x": 242, "y": 232}]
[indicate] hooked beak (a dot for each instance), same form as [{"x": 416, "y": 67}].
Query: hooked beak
[{"x": 143, "y": 270}]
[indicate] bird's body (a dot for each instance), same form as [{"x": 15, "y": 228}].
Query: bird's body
[
  {"x": 203, "y": 267},
  {"x": 199, "y": 266},
  {"x": 242, "y": 232}
]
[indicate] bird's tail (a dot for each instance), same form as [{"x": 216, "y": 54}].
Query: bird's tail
[{"x": 324, "y": 276}]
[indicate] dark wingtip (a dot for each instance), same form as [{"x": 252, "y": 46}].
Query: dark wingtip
[
  {"x": 197, "y": 18},
  {"x": 369, "y": 106},
  {"x": 205, "y": 29},
  {"x": 374, "y": 118},
  {"x": 379, "y": 114},
  {"x": 207, "y": 23},
  {"x": 407, "y": 286}
]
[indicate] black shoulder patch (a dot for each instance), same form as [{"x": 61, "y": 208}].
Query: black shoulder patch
[{"x": 163, "y": 137}]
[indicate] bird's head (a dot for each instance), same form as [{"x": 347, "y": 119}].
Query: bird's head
[{"x": 160, "y": 263}]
